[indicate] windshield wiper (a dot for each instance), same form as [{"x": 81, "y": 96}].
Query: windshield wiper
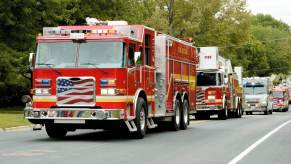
[
  {"x": 94, "y": 65},
  {"x": 50, "y": 66}
]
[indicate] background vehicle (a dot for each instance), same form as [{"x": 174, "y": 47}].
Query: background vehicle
[
  {"x": 219, "y": 89},
  {"x": 257, "y": 98},
  {"x": 280, "y": 99},
  {"x": 109, "y": 75}
]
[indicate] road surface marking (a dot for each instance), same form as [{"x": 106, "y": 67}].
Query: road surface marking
[{"x": 258, "y": 142}]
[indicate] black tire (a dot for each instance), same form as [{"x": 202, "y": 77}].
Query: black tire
[
  {"x": 223, "y": 114},
  {"x": 247, "y": 113},
  {"x": 239, "y": 110},
  {"x": 140, "y": 119},
  {"x": 270, "y": 112},
  {"x": 266, "y": 112},
  {"x": 176, "y": 119},
  {"x": 55, "y": 131},
  {"x": 184, "y": 119},
  {"x": 251, "y": 113}
]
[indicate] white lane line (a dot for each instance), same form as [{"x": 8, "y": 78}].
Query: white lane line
[{"x": 258, "y": 142}]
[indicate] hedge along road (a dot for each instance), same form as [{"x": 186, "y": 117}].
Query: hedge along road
[{"x": 211, "y": 141}]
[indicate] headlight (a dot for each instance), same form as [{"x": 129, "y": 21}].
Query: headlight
[
  {"x": 42, "y": 91},
  {"x": 104, "y": 91},
  {"x": 38, "y": 91},
  {"x": 211, "y": 97},
  {"x": 108, "y": 91},
  {"x": 111, "y": 91}
]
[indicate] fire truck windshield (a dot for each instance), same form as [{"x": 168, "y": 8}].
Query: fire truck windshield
[
  {"x": 208, "y": 79},
  {"x": 254, "y": 89},
  {"x": 277, "y": 94},
  {"x": 81, "y": 55}
]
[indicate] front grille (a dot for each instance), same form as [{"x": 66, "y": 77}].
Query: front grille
[
  {"x": 200, "y": 96},
  {"x": 75, "y": 91}
]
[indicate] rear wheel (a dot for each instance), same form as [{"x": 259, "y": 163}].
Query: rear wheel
[
  {"x": 238, "y": 111},
  {"x": 55, "y": 131},
  {"x": 175, "y": 123},
  {"x": 185, "y": 115},
  {"x": 140, "y": 118}
]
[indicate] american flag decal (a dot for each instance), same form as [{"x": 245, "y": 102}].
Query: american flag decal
[{"x": 75, "y": 91}]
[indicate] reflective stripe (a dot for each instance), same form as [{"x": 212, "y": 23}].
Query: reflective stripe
[{"x": 98, "y": 98}]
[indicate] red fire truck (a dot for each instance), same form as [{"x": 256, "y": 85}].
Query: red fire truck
[
  {"x": 219, "y": 88},
  {"x": 280, "y": 99},
  {"x": 110, "y": 74}
]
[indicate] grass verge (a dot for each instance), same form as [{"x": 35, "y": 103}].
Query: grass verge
[{"x": 11, "y": 117}]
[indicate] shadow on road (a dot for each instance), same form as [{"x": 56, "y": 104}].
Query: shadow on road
[{"x": 107, "y": 135}]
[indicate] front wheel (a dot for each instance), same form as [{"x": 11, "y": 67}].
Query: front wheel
[
  {"x": 222, "y": 115},
  {"x": 185, "y": 115},
  {"x": 140, "y": 118},
  {"x": 55, "y": 131}
]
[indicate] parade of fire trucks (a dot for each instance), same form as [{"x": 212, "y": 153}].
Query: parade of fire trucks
[{"x": 112, "y": 75}]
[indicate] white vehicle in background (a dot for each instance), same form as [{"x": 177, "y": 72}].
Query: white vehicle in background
[{"x": 257, "y": 98}]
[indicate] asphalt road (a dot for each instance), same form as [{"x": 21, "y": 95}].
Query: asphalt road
[{"x": 209, "y": 141}]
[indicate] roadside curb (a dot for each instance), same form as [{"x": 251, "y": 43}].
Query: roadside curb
[{"x": 16, "y": 128}]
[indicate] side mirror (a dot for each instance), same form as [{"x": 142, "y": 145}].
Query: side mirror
[
  {"x": 26, "y": 99},
  {"x": 137, "y": 58},
  {"x": 31, "y": 60}
]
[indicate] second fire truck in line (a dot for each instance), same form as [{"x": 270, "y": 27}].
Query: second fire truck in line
[{"x": 219, "y": 88}]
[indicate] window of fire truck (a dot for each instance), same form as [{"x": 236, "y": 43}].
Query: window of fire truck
[
  {"x": 277, "y": 94},
  {"x": 55, "y": 55},
  {"x": 257, "y": 88},
  {"x": 131, "y": 55},
  {"x": 102, "y": 55},
  {"x": 208, "y": 79}
]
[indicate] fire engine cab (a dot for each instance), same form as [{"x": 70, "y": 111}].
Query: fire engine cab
[
  {"x": 219, "y": 88},
  {"x": 110, "y": 74},
  {"x": 280, "y": 98}
]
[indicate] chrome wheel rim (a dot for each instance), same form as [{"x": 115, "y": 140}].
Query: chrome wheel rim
[
  {"x": 185, "y": 109},
  {"x": 142, "y": 118},
  {"x": 177, "y": 113}
]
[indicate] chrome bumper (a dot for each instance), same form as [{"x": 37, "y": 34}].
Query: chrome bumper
[
  {"x": 73, "y": 115},
  {"x": 208, "y": 107},
  {"x": 255, "y": 109}
]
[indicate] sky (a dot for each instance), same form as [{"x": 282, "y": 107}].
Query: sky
[{"x": 279, "y": 9}]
